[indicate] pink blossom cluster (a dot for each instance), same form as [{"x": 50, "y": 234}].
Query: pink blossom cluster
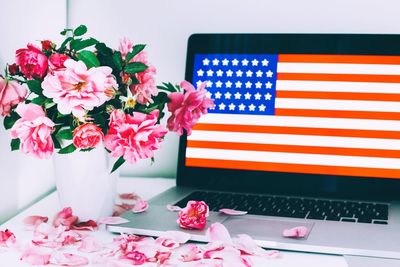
[{"x": 51, "y": 90}]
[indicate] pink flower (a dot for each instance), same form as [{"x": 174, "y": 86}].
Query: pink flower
[
  {"x": 125, "y": 46},
  {"x": 187, "y": 108},
  {"x": 194, "y": 215},
  {"x": 34, "y": 130},
  {"x": 65, "y": 218},
  {"x": 11, "y": 93},
  {"x": 76, "y": 88},
  {"x": 147, "y": 85},
  {"x": 134, "y": 137},
  {"x": 57, "y": 61},
  {"x": 87, "y": 136},
  {"x": 32, "y": 62}
]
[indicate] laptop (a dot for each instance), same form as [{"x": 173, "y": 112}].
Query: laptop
[{"x": 305, "y": 132}]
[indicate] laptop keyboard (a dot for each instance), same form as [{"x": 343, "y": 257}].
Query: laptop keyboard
[{"x": 293, "y": 207}]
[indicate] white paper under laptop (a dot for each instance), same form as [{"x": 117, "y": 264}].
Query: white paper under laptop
[{"x": 305, "y": 132}]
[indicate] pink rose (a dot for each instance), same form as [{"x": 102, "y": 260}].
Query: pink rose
[
  {"x": 87, "y": 136},
  {"x": 32, "y": 62},
  {"x": 77, "y": 89},
  {"x": 57, "y": 61},
  {"x": 11, "y": 93},
  {"x": 134, "y": 137},
  {"x": 125, "y": 46},
  {"x": 146, "y": 88},
  {"x": 187, "y": 108},
  {"x": 34, "y": 130},
  {"x": 194, "y": 215}
]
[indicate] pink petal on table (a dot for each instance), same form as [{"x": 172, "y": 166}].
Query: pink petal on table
[
  {"x": 129, "y": 196},
  {"x": 232, "y": 212},
  {"x": 43, "y": 231},
  {"x": 69, "y": 237},
  {"x": 35, "y": 220},
  {"x": 188, "y": 252},
  {"x": 172, "y": 239},
  {"x": 68, "y": 259},
  {"x": 121, "y": 208},
  {"x": 248, "y": 246},
  {"x": 296, "y": 232},
  {"x": 141, "y": 205},
  {"x": 218, "y": 232},
  {"x": 89, "y": 245},
  {"x": 47, "y": 244},
  {"x": 64, "y": 217},
  {"x": 35, "y": 256},
  {"x": 112, "y": 220},
  {"x": 7, "y": 238},
  {"x": 173, "y": 208},
  {"x": 85, "y": 226}
]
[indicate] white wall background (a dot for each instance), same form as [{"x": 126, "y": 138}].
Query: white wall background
[
  {"x": 165, "y": 27},
  {"x": 23, "y": 178}
]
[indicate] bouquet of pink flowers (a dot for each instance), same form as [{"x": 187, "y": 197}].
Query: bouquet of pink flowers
[{"x": 87, "y": 93}]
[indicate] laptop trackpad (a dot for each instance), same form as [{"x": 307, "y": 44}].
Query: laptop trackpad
[{"x": 261, "y": 228}]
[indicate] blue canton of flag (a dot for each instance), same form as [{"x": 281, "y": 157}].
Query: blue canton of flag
[{"x": 238, "y": 83}]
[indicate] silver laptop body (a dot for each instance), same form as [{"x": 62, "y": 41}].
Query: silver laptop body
[{"x": 369, "y": 176}]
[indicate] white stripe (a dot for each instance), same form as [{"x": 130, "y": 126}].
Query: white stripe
[
  {"x": 327, "y": 104},
  {"x": 334, "y": 123},
  {"x": 356, "y": 87},
  {"x": 291, "y": 139},
  {"x": 339, "y": 68},
  {"x": 296, "y": 158}
]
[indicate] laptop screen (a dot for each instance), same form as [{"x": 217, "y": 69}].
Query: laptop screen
[
  {"x": 327, "y": 114},
  {"x": 309, "y": 114}
]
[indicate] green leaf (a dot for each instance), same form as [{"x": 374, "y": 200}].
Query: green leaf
[
  {"x": 65, "y": 134},
  {"x": 35, "y": 86},
  {"x": 118, "y": 163},
  {"x": 81, "y": 30},
  {"x": 48, "y": 105},
  {"x": 64, "y": 32},
  {"x": 9, "y": 121},
  {"x": 68, "y": 149},
  {"x": 117, "y": 58},
  {"x": 40, "y": 100},
  {"x": 89, "y": 58},
  {"x": 135, "y": 67},
  {"x": 79, "y": 44},
  {"x": 169, "y": 87},
  {"x": 136, "y": 50},
  {"x": 87, "y": 149},
  {"x": 15, "y": 144},
  {"x": 55, "y": 141},
  {"x": 66, "y": 41},
  {"x": 103, "y": 49}
]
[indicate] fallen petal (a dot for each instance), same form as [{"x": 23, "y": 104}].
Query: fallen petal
[
  {"x": 7, "y": 238},
  {"x": 218, "y": 232},
  {"x": 121, "y": 208},
  {"x": 35, "y": 256},
  {"x": 68, "y": 259},
  {"x": 129, "y": 196},
  {"x": 65, "y": 218},
  {"x": 296, "y": 232},
  {"x": 141, "y": 205},
  {"x": 85, "y": 226},
  {"x": 178, "y": 236},
  {"x": 112, "y": 220},
  {"x": 232, "y": 212},
  {"x": 89, "y": 245},
  {"x": 35, "y": 220},
  {"x": 173, "y": 208}
]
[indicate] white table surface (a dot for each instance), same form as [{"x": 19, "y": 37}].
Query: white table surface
[{"x": 147, "y": 188}]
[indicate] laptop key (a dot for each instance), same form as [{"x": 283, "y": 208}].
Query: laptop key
[
  {"x": 380, "y": 222},
  {"x": 348, "y": 220}
]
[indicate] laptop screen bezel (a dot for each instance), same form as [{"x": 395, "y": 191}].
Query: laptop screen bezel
[{"x": 279, "y": 182}]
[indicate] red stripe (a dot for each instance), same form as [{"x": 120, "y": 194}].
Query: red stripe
[
  {"x": 371, "y": 115},
  {"x": 297, "y": 130},
  {"x": 342, "y": 151},
  {"x": 294, "y": 168}
]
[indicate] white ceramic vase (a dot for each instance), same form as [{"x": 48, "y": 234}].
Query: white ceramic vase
[{"x": 85, "y": 184}]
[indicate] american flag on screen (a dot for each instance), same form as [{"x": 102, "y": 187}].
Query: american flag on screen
[{"x": 319, "y": 114}]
